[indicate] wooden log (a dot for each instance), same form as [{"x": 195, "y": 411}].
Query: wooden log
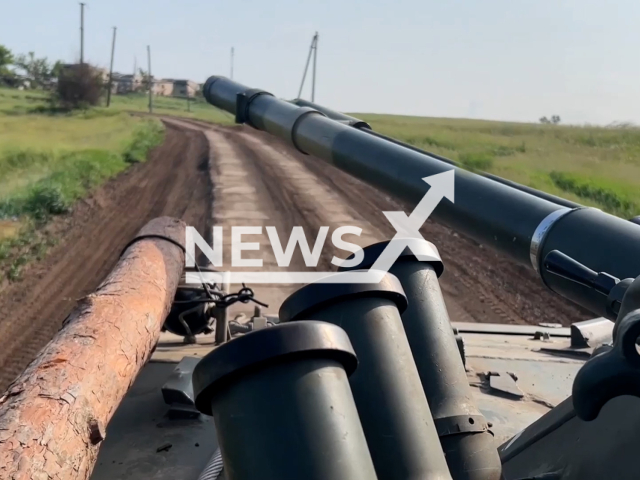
[{"x": 54, "y": 416}]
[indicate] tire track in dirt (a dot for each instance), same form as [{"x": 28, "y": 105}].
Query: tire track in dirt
[
  {"x": 290, "y": 189},
  {"x": 174, "y": 181},
  {"x": 324, "y": 198},
  {"x": 314, "y": 204},
  {"x": 479, "y": 284},
  {"x": 278, "y": 191},
  {"x": 245, "y": 195}
]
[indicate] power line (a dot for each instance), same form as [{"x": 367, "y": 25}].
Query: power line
[{"x": 312, "y": 50}]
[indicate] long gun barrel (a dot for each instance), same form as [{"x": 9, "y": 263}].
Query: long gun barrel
[
  {"x": 524, "y": 226},
  {"x": 365, "y": 127}
]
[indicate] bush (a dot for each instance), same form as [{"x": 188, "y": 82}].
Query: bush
[
  {"x": 79, "y": 86},
  {"x": 40, "y": 202},
  {"x": 66, "y": 176},
  {"x": 476, "y": 161},
  {"x": 45, "y": 200},
  {"x": 148, "y": 135},
  {"x": 611, "y": 200},
  {"x": 73, "y": 175},
  {"x": 15, "y": 160}
]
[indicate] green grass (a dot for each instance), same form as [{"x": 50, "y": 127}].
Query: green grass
[
  {"x": 594, "y": 166},
  {"x": 18, "y": 102},
  {"x": 49, "y": 161},
  {"x": 27, "y": 244},
  {"x": 198, "y": 108}
]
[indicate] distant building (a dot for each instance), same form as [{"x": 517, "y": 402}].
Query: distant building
[
  {"x": 169, "y": 87},
  {"x": 127, "y": 83},
  {"x": 185, "y": 88},
  {"x": 166, "y": 87},
  {"x": 163, "y": 88}
]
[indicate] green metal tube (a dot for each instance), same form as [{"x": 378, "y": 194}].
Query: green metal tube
[
  {"x": 386, "y": 387},
  {"x": 468, "y": 444},
  {"x": 282, "y": 405},
  {"x": 365, "y": 127},
  {"x": 511, "y": 221}
]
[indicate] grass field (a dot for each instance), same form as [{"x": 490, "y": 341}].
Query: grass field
[
  {"x": 594, "y": 166},
  {"x": 47, "y": 162},
  {"x": 197, "y": 108}
]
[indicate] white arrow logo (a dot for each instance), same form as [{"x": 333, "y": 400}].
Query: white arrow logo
[
  {"x": 442, "y": 185},
  {"x": 407, "y": 233}
]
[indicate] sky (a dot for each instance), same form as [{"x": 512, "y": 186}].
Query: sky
[{"x": 491, "y": 59}]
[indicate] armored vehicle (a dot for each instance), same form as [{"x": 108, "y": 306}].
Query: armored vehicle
[{"x": 362, "y": 379}]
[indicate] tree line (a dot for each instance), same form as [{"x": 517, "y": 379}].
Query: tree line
[
  {"x": 39, "y": 72},
  {"x": 75, "y": 86},
  {"x": 555, "y": 119}
]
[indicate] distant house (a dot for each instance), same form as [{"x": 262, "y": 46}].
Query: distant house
[
  {"x": 163, "y": 88},
  {"x": 127, "y": 83},
  {"x": 185, "y": 88}
]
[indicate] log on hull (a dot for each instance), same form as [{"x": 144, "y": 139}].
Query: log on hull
[{"x": 53, "y": 417}]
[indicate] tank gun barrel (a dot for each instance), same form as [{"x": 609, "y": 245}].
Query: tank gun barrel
[
  {"x": 332, "y": 114},
  {"x": 523, "y": 226},
  {"x": 365, "y": 127}
]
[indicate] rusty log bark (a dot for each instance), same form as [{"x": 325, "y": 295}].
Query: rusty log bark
[{"x": 53, "y": 417}]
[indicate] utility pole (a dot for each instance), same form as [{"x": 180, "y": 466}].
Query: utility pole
[
  {"x": 82, "y": 33},
  {"x": 315, "y": 57},
  {"x": 113, "y": 51},
  {"x": 231, "y": 76},
  {"x": 150, "y": 83},
  {"x": 133, "y": 79},
  {"x": 312, "y": 49}
]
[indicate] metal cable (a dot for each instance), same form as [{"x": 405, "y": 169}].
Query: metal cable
[{"x": 214, "y": 468}]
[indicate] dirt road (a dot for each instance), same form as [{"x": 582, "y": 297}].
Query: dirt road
[
  {"x": 479, "y": 284},
  {"x": 173, "y": 181},
  {"x": 210, "y": 175}
]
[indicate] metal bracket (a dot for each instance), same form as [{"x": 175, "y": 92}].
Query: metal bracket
[
  {"x": 539, "y": 235},
  {"x": 460, "y": 343},
  {"x": 301, "y": 113},
  {"x": 504, "y": 383},
  {"x": 243, "y": 100},
  {"x": 460, "y": 424},
  {"x": 610, "y": 374},
  {"x": 177, "y": 391},
  {"x": 591, "y": 333}
]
